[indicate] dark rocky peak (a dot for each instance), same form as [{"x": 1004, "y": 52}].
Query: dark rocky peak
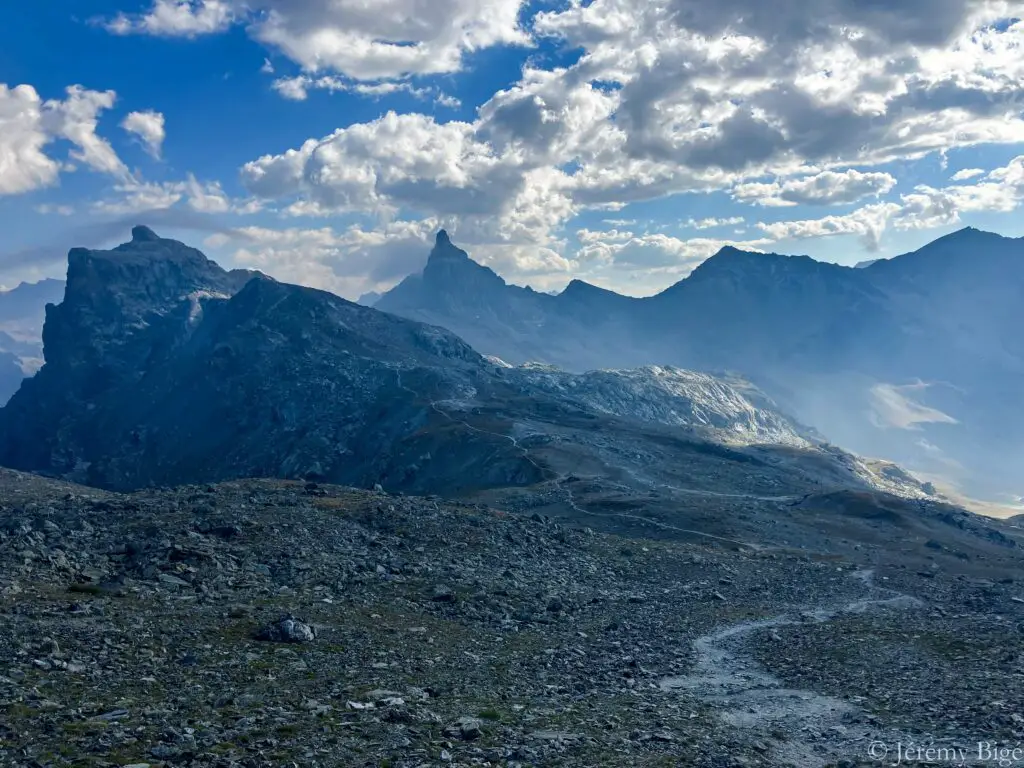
[
  {"x": 968, "y": 254},
  {"x": 143, "y": 234},
  {"x": 579, "y": 294},
  {"x": 445, "y": 250},
  {"x": 577, "y": 288},
  {"x": 111, "y": 295},
  {"x": 449, "y": 273}
]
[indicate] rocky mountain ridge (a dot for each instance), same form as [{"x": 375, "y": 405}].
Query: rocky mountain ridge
[
  {"x": 163, "y": 368},
  {"x": 831, "y": 344}
]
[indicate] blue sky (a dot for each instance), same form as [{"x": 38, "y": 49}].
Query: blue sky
[{"x": 621, "y": 141}]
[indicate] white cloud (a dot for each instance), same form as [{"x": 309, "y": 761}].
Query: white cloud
[
  {"x": 298, "y": 88},
  {"x": 177, "y": 18},
  {"x": 135, "y": 196},
  {"x": 349, "y": 262},
  {"x": 398, "y": 160},
  {"x": 60, "y": 210},
  {"x": 668, "y": 255},
  {"x": 712, "y": 223},
  {"x": 825, "y": 188},
  {"x": 28, "y": 124},
  {"x": 138, "y": 196},
  {"x": 868, "y": 223},
  {"x": 967, "y": 173},
  {"x": 895, "y": 406},
  {"x": 671, "y": 97},
  {"x": 23, "y": 164},
  {"x": 76, "y": 119},
  {"x": 365, "y": 41},
  {"x": 149, "y": 127},
  {"x": 1001, "y": 190}
]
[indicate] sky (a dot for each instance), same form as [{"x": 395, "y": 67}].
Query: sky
[{"x": 618, "y": 141}]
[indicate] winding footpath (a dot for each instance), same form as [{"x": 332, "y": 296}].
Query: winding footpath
[{"x": 750, "y": 698}]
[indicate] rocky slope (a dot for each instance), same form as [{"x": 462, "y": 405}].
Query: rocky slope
[
  {"x": 735, "y": 412},
  {"x": 144, "y": 629},
  {"x": 916, "y": 358}
]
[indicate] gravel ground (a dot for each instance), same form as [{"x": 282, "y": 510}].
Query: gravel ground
[{"x": 142, "y": 630}]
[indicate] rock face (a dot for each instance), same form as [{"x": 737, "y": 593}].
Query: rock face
[
  {"x": 161, "y": 366},
  {"x": 916, "y": 358}
]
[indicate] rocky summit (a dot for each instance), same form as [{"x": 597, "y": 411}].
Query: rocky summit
[{"x": 248, "y": 523}]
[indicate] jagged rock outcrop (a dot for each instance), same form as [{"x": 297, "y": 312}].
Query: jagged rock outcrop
[{"x": 162, "y": 367}]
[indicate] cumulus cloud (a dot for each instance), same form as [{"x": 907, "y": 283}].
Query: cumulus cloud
[
  {"x": 868, "y": 223},
  {"x": 364, "y": 41},
  {"x": 177, "y": 18},
  {"x": 136, "y": 196},
  {"x": 657, "y": 252},
  {"x": 23, "y": 164},
  {"x": 347, "y": 262},
  {"x": 825, "y": 188},
  {"x": 76, "y": 119},
  {"x": 967, "y": 173},
  {"x": 712, "y": 222},
  {"x": 1000, "y": 190},
  {"x": 407, "y": 160},
  {"x": 670, "y": 97},
  {"x": 28, "y": 124},
  {"x": 149, "y": 128}
]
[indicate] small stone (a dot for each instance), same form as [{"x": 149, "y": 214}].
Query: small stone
[
  {"x": 115, "y": 714},
  {"x": 443, "y": 594},
  {"x": 470, "y": 728},
  {"x": 287, "y": 629},
  {"x": 173, "y": 581}
]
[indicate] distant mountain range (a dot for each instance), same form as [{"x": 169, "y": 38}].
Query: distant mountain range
[
  {"x": 163, "y": 368},
  {"x": 918, "y": 358},
  {"x": 22, "y": 310}
]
